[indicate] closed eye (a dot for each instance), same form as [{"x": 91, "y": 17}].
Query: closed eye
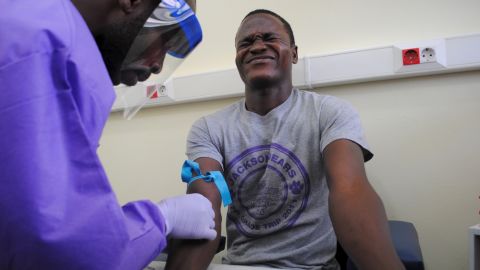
[
  {"x": 265, "y": 37},
  {"x": 244, "y": 44},
  {"x": 269, "y": 37}
]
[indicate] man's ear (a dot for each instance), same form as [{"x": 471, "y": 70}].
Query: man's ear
[
  {"x": 128, "y": 6},
  {"x": 294, "y": 54}
]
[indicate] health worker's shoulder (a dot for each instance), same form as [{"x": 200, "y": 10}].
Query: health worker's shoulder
[{"x": 34, "y": 27}]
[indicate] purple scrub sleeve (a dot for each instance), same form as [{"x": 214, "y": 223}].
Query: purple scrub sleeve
[{"x": 57, "y": 208}]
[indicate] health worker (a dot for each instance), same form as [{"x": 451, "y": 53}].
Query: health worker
[{"x": 58, "y": 59}]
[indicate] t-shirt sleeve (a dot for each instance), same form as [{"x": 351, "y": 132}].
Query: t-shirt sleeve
[
  {"x": 339, "y": 120},
  {"x": 201, "y": 144}
]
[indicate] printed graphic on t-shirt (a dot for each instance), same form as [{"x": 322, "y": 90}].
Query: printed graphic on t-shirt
[{"x": 269, "y": 187}]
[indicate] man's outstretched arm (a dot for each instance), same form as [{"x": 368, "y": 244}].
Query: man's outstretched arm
[
  {"x": 357, "y": 212},
  {"x": 197, "y": 254}
]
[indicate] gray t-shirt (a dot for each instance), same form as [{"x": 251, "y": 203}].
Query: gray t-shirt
[{"x": 274, "y": 167}]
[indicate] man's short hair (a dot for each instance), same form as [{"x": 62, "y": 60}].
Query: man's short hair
[{"x": 285, "y": 23}]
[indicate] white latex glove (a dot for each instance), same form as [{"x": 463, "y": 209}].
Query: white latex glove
[{"x": 188, "y": 216}]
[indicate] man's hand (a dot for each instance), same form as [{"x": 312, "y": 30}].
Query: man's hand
[{"x": 189, "y": 216}]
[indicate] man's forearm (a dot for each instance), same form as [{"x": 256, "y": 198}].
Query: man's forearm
[
  {"x": 360, "y": 223},
  {"x": 192, "y": 254},
  {"x": 197, "y": 254}
]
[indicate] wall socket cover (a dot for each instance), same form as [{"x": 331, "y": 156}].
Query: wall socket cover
[
  {"x": 432, "y": 56},
  {"x": 428, "y": 55}
]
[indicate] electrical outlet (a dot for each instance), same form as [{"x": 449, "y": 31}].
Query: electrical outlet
[
  {"x": 427, "y": 55},
  {"x": 152, "y": 92},
  {"x": 156, "y": 91},
  {"x": 423, "y": 56},
  {"x": 411, "y": 56}
]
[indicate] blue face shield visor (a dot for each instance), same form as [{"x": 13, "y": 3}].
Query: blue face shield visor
[{"x": 168, "y": 36}]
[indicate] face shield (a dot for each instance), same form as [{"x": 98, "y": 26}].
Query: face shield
[{"x": 168, "y": 36}]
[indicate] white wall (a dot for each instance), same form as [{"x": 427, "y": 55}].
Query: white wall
[
  {"x": 424, "y": 131},
  {"x": 330, "y": 26}
]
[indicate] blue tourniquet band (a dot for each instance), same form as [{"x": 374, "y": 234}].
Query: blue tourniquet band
[{"x": 190, "y": 166}]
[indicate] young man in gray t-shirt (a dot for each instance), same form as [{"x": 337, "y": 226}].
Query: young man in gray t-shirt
[
  {"x": 273, "y": 165},
  {"x": 293, "y": 161}
]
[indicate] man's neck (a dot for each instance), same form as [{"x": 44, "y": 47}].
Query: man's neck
[
  {"x": 94, "y": 14},
  {"x": 262, "y": 101}
]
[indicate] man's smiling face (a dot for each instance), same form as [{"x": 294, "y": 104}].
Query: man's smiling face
[{"x": 264, "y": 51}]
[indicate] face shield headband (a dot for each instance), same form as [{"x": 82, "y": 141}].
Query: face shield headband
[{"x": 168, "y": 36}]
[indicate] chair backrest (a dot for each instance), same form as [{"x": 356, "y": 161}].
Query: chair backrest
[{"x": 406, "y": 244}]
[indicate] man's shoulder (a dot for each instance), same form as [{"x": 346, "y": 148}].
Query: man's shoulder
[
  {"x": 324, "y": 105},
  {"x": 34, "y": 27},
  {"x": 231, "y": 110},
  {"x": 317, "y": 99},
  {"x": 220, "y": 119}
]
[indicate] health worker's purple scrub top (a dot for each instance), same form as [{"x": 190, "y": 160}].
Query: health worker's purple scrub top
[{"x": 57, "y": 208}]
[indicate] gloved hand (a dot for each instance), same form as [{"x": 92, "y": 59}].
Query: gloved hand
[{"x": 188, "y": 216}]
